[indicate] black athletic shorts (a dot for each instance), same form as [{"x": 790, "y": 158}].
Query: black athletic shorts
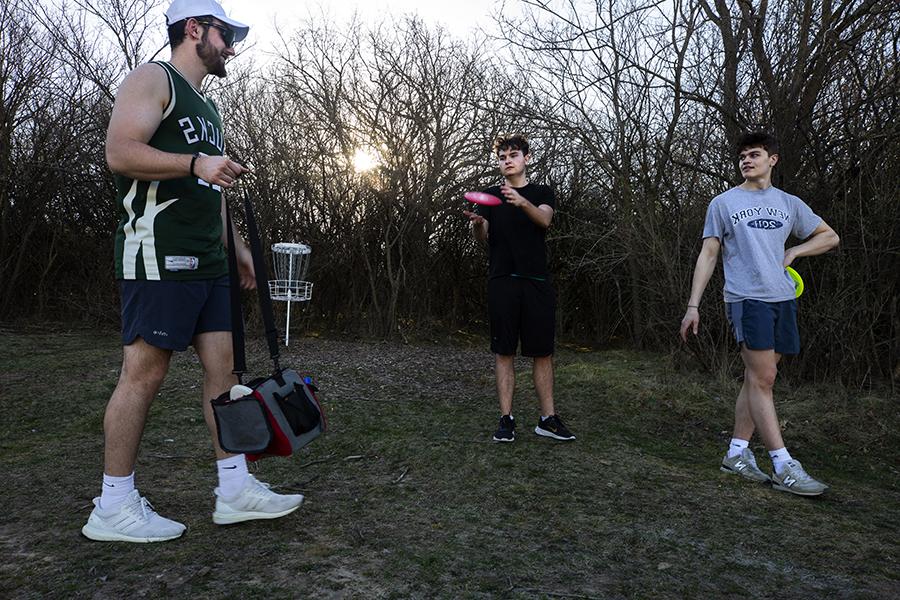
[
  {"x": 522, "y": 308},
  {"x": 168, "y": 314}
]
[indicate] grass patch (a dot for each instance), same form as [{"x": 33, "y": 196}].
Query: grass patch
[{"x": 407, "y": 497}]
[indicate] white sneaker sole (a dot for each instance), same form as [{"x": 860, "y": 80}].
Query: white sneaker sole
[
  {"x": 550, "y": 434},
  {"x": 504, "y": 440},
  {"x": 240, "y": 517},
  {"x": 99, "y": 535},
  {"x": 781, "y": 488}
]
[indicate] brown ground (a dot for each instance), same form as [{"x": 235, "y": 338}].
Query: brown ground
[{"x": 407, "y": 497}]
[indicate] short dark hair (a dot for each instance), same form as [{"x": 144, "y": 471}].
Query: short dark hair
[
  {"x": 511, "y": 141},
  {"x": 176, "y": 30},
  {"x": 756, "y": 139}
]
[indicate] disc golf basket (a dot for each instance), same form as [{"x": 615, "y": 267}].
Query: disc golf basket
[{"x": 291, "y": 263}]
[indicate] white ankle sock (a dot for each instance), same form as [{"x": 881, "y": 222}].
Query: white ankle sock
[
  {"x": 232, "y": 475},
  {"x": 779, "y": 457},
  {"x": 115, "y": 490},
  {"x": 737, "y": 446}
]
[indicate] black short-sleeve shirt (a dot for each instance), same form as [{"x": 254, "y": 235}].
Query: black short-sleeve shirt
[{"x": 516, "y": 243}]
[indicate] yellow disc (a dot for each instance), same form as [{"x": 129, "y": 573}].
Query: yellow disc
[{"x": 798, "y": 281}]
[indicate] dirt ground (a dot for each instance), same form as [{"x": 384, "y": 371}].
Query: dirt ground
[{"x": 407, "y": 497}]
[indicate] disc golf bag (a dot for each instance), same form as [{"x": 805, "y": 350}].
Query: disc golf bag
[{"x": 280, "y": 416}]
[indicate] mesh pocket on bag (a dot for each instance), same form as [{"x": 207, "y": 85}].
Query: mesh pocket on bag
[
  {"x": 242, "y": 424},
  {"x": 300, "y": 410}
]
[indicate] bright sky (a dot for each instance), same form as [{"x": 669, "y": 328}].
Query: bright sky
[{"x": 460, "y": 17}]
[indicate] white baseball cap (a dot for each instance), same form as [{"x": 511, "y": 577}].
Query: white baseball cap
[{"x": 185, "y": 9}]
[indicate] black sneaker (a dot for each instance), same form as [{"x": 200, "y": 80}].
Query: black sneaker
[
  {"x": 506, "y": 430},
  {"x": 553, "y": 427}
]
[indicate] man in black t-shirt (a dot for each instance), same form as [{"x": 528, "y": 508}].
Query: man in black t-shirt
[{"x": 521, "y": 298}]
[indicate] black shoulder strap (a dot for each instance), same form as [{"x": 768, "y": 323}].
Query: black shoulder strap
[
  {"x": 262, "y": 288},
  {"x": 237, "y": 319},
  {"x": 262, "y": 283}
]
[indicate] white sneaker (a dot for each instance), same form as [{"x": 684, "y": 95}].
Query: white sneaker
[
  {"x": 132, "y": 521},
  {"x": 255, "y": 501}
]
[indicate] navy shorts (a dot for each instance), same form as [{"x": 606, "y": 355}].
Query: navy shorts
[
  {"x": 765, "y": 325},
  {"x": 522, "y": 308},
  {"x": 168, "y": 314}
]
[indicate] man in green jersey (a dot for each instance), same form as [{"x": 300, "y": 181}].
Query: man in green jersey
[{"x": 165, "y": 144}]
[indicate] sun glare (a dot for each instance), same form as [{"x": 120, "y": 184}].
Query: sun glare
[{"x": 364, "y": 160}]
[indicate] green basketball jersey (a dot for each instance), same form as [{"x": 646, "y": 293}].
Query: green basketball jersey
[{"x": 172, "y": 229}]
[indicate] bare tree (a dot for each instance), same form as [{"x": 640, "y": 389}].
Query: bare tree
[
  {"x": 653, "y": 96},
  {"x": 55, "y": 191},
  {"x": 632, "y": 107},
  {"x": 404, "y": 97}
]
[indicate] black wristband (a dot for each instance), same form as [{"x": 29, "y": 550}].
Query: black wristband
[{"x": 194, "y": 160}]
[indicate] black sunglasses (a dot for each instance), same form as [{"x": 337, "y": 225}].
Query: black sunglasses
[{"x": 227, "y": 33}]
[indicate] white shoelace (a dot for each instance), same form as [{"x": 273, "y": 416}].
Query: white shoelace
[
  {"x": 798, "y": 470},
  {"x": 262, "y": 488},
  {"x": 147, "y": 510}
]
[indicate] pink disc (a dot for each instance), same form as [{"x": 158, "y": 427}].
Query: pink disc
[{"x": 482, "y": 198}]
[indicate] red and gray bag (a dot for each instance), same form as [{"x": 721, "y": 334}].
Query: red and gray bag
[{"x": 275, "y": 415}]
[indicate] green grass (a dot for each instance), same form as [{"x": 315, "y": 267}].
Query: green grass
[{"x": 407, "y": 497}]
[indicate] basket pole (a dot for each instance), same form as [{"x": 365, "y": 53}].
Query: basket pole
[{"x": 287, "y": 325}]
